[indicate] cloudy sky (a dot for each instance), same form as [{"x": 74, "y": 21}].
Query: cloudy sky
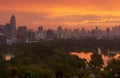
[{"x": 68, "y": 13}]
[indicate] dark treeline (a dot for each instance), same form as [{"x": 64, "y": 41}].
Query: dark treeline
[
  {"x": 90, "y": 44},
  {"x": 68, "y": 45},
  {"x": 51, "y": 59},
  {"x": 85, "y": 45}
]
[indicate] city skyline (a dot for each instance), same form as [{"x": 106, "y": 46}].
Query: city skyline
[
  {"x": 51, "y": 28},
  {"x": 71, "y": 14}
]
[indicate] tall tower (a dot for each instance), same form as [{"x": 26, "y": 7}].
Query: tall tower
[{"x": 13, "y": 26}]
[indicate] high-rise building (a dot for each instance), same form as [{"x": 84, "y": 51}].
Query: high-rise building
[
  {"x": 108, "y": 33},
  {"x": 50, "y": 34},
  {"x": 13, "y": 26},
  {"x": 40, "y": 33},
  {"x": 30, "y": 35},
  {"x": 2, "y": 29},
  {"x": 40, "y": 29},
  {"x": 2, "y": 39},
  {"x": 83, "y": 31},
  {"x": 59, "y": 32},
  {"x": 7, "y": 31},
  {"x": 22, "y": 34}
]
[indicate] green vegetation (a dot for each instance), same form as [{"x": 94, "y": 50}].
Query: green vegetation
[
  {"x": 96, "y": 61},
  {"x": 51, "y": 59}
]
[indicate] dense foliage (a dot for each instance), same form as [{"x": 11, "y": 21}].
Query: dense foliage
[{"x": 51, "y": 59}]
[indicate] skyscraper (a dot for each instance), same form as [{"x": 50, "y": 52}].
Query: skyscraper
[
  {"x": 7, "y": 31},
  {"x": 59, "y": 32},
  {"x": 40, "y": 33},
  {"x": 50, "y": 34},
  {"x": 13, "y": 26},
  {"x": 22, "y": 34}
]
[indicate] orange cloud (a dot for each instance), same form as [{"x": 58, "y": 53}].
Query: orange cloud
[{"x": 58, "y": 12}]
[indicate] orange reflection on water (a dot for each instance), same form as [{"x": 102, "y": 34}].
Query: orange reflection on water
[
  {"x": 83, "y": 55},
  {"x": 117, "y": 56},
  {"x": 105, "y": 59},
  {"x": 87, "y": 56}
]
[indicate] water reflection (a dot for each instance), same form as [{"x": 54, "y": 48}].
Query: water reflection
[
  {"x": 87, "y": 56},
  {"x": 83, "y": 55}
]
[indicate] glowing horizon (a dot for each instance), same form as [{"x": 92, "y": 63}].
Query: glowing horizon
[{"x": 72, "y": 13}]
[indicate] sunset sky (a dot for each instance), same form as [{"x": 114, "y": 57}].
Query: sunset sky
[{"x": 68, "y": 13}]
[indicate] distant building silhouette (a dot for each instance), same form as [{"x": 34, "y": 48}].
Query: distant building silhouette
[
  {"x": 8, "y": 30},
  {"x": 40, "y": 33},
  {"x": 30, "y": 35},
  {"x": 2, "y": 39},
  {"x": 59, "y": 32},
  {"x": 50, "y": 34},
  {"x": 40, "y": 29},
  {"x": 22, "y": 34},
  {"x": 2, "y": 29},
  {"x": 13, "y": 26}
]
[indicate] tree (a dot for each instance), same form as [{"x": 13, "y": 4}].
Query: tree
[
  {"x": 113, "y": 66},
  {"x": 96, "y": 61}
]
